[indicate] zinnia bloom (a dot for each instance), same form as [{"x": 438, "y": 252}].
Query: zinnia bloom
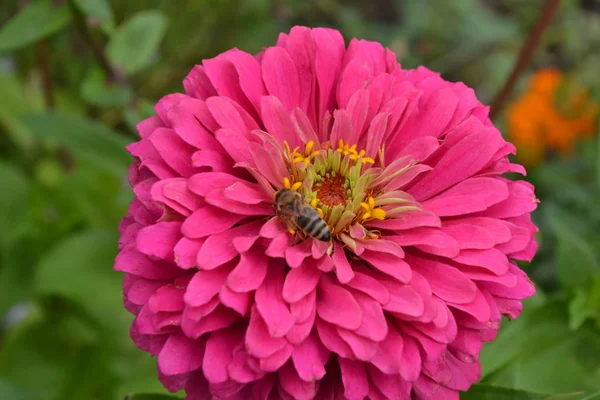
[
  {"x": 406, "y": 170},
  {"x": 551, "y": 114}
]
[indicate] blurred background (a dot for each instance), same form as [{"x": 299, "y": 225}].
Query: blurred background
[{"x": 77, "y": 75}]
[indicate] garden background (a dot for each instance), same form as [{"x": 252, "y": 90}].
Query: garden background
[{"x": 76, "y": 76}]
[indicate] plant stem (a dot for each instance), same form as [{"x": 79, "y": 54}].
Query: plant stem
[
  {"x": 80, "y": 23},
  {"x": 43, "y": 60},
  {"x": 525, "y": 54}
]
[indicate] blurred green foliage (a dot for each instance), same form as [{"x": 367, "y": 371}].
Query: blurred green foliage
[{"x": 77, "y": 75}]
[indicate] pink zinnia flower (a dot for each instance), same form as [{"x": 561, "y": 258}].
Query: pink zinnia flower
[{"x": 406, "y": 170}]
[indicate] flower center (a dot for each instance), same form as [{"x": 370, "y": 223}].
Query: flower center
[
  {"x": 335, "y": 182},
  {"x": 332, "y": 190}
]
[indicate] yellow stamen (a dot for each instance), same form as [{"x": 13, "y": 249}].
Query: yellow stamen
[
  {"x": 314, "y": 202},
  {"x": 378, "y": 213},
  {"x": 321, "y": 213},
  {"x": 296, "y": 186},
  {"x": 309, "y": 147},
  {"x": 368, "y": 160},
  {"x": 371, "y": 211},
  {"x": 286, "y": 183}
]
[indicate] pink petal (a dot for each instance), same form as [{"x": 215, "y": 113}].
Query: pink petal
[
  {"x": 278, "y": 122},
  {"x": 374, "y": 325},
  {"x": 205, "y": 182},
  {"x": 140, "y": 290},
  {"x": 391, "y": 386},
  {"x": 329, "y": 298},
  {"x": 270, "y": 303},
  {"x": 299, "y": 282},
  {"x": 410, "y": 365},
  {"x": 404, "y": 299},
  {"x": 176, "y": 153},
  {"x": 342, "y": 267},
  {"x": 388, "y": 264},
  {"x": 309, "y": 359},
  {"x": 167, "y": 298},
  {"x": 218, "y": 249},
  {"x": 389, "y": 353},
  {"x": 470, "y": 236},
  {"x": 460, "y": 162},
  {"x": 408, "y": 220},
  {"x": 302, "y": 308},
  {"x": 232, "y": 115},
  {"x": 354, "y": 77},
  {"x": 207, "y": 221},
  {"x": 240, "y": 302},
  {"x": 249, "y": 273},
  {"x": 218, "y": 354},
  {"x": 446, "y": 282},
  {"x": 259, "y": 341},
  {"x": 133, "y": 262},
  {"x": 478, "y": 308},
  {"x": 275, "y": 361},
  {"x": 281, "y": 77},
  {"x": 328, "y": 62},
  {"x": 197, "y": 84},
  {"x": 180, "y": 355},
  {"x": 204, "y": 285},
  {"x": 240, "y": 371},
  {"x": 185, "y": 118},
  {"x": 363, "y": 349},
  {"x": 186, "y": 252},
  {"x": 249, "y": 71},
  {"x": 225, "y": 79},
  {"x": 375, "y": 134},
  {"x": 295, "y": 255},
  {"x": 293, "y": 385},
  {"x": 235, "y": 145},
  {"x": 357, "y": 109},
  {"x": 354, "y": 378},
  {"x": 491, "y": 259},
  {"x": 301, "y": 330},
  {"x": 174, "y": 193},
  {"x": 159, "y": 240},
  {"x": 217, "y": 198},
  {"x": 278, "y": 246},
  {"x": 472, "y": 195},
  {"x": 149, "y": 125},
  {"x": 332, "y": 340},
  {"x": 217, "y": 161}
]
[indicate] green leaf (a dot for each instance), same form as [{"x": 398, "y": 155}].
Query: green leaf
[
  {"x": 14, "y": 195},
  {"x": 526, "y": 356},
  {"x": 54, "y": 354},
  {"x": 83, "y": 138},
  {"x": 134, "y": 44},
  {"x": 97, "y": 90},
  {"x": 490, "y": 392},
  {"x": 150, "y": 396},
  {"x": 577, "y": 262},
  {"x": 13, "y": 393},
  {"x": 79, "y": 266},
  {"x": 13, "y": 103},
  {"x": 36, "y": 20},
  {"x": 100, "y": 10}
]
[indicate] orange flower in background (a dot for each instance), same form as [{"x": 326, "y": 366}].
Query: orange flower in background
[{"x": 552, "y": 114}]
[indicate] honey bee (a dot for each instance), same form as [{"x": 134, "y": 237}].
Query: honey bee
[{"x": 298, "y": 214}]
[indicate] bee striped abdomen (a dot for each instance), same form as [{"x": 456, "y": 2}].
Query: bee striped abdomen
[
  {"x": 311, "y": 222},
  {"x": 297, "y": 213}
]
